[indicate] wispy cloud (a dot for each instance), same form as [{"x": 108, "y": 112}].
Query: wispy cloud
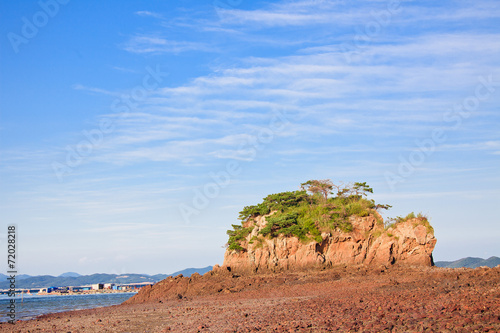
[
  {"x": 492, "y": 146},
  {"x": 152, "y": 44},
  {"x": 339, "y": 13},
  {"x": 127, "y": 70},
  {"x": 270, "y": 18},
  {"x": 394, "y": 88},
  {"x": 148, "y": 13},
  {"x": 95, "y": 90}
]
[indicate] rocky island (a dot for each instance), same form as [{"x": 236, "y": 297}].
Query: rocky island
[
  {"x": 308, "y": 230},
  {"x": 297, "y": 230},
  {"x": 319, "y": 259}
]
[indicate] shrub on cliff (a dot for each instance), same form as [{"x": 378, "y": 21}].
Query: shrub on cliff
[
  {"x": 419, "y": 219},
  {"x": 274, "y": 202},
  {"x": 306, "y": 213},
  {"x": 236, "y": 235}
]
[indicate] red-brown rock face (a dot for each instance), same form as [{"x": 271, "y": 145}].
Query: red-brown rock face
[{"x": 410, "y": 242}]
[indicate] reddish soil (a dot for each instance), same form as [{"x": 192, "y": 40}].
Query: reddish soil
[{"x": 344, "y": 300}]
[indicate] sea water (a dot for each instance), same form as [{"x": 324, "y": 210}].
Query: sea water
[{"x": 31, "y": 306}]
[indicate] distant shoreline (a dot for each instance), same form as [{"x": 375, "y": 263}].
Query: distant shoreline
[
  {"x": 33, "y": 306},
  {"x": 86, "y": 292}
]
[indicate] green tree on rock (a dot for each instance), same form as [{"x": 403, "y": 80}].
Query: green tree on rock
[{"x": 323, "y": 187}]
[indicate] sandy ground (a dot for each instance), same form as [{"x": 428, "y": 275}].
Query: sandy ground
[{"x": 394, "y": 300}]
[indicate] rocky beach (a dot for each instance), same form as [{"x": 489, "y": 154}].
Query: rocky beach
[{"x": 343, "y": 299}]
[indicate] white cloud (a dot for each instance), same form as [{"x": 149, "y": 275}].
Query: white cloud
[
  {"x": 395, "y": 88},
  {"x": 153, "y": 44},
  {"x": 148, "y": 13},
  {"x": 340, "y": 13},
  {"x": 486, "y": 145},
  {"x": 269, "y": 18},
  {"x": 95, "y": 90},
  {"x": 127, "y": 70}
]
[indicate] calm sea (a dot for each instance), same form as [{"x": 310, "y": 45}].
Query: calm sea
[{"x": 32, "y": 306}]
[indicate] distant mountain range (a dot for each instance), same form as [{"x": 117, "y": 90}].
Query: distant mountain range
[
  {"x": 75, "y": 279},
  {"x": 469, "y": 262}
]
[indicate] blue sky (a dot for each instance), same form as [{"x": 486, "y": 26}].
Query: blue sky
[{"x": 132, "y": 133}]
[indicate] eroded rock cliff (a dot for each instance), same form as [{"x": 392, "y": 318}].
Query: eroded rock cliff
[{"x": 408, "y": 242}]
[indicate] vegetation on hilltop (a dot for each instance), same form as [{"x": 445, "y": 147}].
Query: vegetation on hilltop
[
  {"x": 420, "y": 219},
  {"x": 320, "y": 206}
]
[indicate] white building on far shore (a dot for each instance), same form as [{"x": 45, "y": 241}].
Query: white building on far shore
[{"x": 97, "y": 286}]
